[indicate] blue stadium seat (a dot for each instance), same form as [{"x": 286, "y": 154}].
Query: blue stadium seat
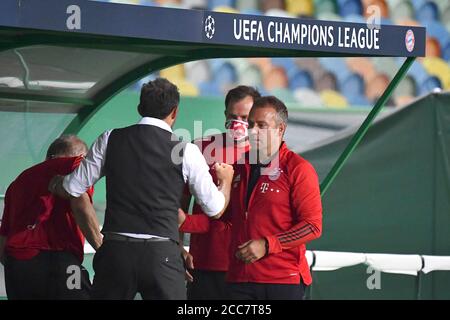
[
  {"x": 337, "y": 66},
  {"x": 357, "y": 18},
  {"x": 436, "y": 30},
  {"x": 446, "y": 51},
  {"x": 221, "y": 3},
  {"x": 429, "y": 84},
  {"x": 300, "y": 79},
  {"x": 223, "y": 71},
  {"x": 427, "y": 12},
  {"x": 358, "y": 100},
  {"x": 417, "y": 71},
  {"x": 350, "y": 7},
  {"x": 286, "y": 63},
  {"x": 209, "y": 89},
  {"x": 352, "y": 85}
]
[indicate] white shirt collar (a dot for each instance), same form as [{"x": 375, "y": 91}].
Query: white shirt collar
[{"x": 155, "y": 122}]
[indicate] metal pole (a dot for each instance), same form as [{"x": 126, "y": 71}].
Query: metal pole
[{"x": 365, "y": 126}]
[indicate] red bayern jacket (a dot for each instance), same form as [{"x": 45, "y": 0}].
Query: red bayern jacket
[{"x": 285, "y": 208}]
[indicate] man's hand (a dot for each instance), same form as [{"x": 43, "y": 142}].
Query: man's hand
[
  {"x": 252, "y": 250},
  {"x": 56, "y": 187},
  {"x": 224, "y": 172},
  {"x": 181, "y": 217},
  {"x": 189, "y": 263}
]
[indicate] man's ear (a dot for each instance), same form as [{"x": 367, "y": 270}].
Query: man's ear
[
  {"x": 174, "y": 113},
  {"x": 282, "y": 128}
]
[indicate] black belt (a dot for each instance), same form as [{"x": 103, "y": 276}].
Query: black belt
[{"x": 120, "y": 237}]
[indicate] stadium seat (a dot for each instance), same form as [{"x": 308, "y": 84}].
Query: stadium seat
[
  {"x": 401, "y": 9},
  {"x": 186, "y": 88},
  {"x": 446, "y": 52},
  {"x": 248, "y": 73},
  {"x": 350, "y": 7},
  {"x": 376, "y": 86},
  {"x": 385, "y": 65},
  {"x": 355, "y": 18},
  {"x": 247, "y": 5},
  {"x": 358, "y": 101},
  {"x": 333, "y": 99},
  {"x": 300, "y": 7},
  {"x": 417, "y": 71},
  {"x": 198, "y": 71},
  {"x": 326, "y": 81},
  {"x": 263, "y": 64},
  {"x": 275, "y": 78},
  {"x": 221, "y": 3},
  {"x": 352, "y": 85},
  {"x": 337, "y": 66},
  {"x": 406, "y": 87},
  {"x": 432, "y": 47},
  {"x": 286, "y": 63},
  {"x": 307, "y": 98},
  {"x": 325, "y": 6},
  {"x": 210, "y": 89},
  {"x": 300, "y": 79},
  {"x": 223, "y": 72},
  {"x": 427, "y": 12},
  {"x": 225, "y": 9},
  {"x": 283, "y": 94},
  {"x": 195, "y": 4},
  {"x": 173, "y": 73},
  {"x": 266, "y": 5},
  {"x": 429, "y": 84},
  {"x": 279, "y": 13},
  {"x": 329, "y": 16},
  {"x": 362, "y": 66},
  {"x": 439, "y": 68},
  {"x": 436, "y": 30}
]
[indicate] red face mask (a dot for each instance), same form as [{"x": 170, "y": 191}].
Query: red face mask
[{"x": 237, "y": 129}]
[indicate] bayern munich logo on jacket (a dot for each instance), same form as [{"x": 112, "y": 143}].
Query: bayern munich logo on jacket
[{"x": 409, "y": 40}]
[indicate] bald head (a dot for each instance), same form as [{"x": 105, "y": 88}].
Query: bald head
[{"x": 67, "y": 145}]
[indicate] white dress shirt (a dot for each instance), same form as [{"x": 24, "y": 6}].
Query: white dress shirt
[{"x": 194, "y": 166}]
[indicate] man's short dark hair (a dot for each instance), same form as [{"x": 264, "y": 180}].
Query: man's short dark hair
[
  {"x": 67, "y": 145},
  {"x": 239, "y": 93},
  {"x": 158, "y": 98},
  {"x": 274, "y": 102}
]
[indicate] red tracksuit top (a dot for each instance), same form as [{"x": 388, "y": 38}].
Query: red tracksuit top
[
  {"x": 34, "y": 219},
  {"x": 287, "y": 211},
  {"x": 210, "y": 239}
]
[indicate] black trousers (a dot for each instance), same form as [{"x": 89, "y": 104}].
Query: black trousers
[
  {"x": 51, "y": 275},
  {"x": 154, "y": 269},
  {"x": 266, "y": 291},
  {"x": 207, "y": 285}
]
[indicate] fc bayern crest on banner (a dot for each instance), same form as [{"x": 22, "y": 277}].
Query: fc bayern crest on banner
[{"x": 409, "y": 40}]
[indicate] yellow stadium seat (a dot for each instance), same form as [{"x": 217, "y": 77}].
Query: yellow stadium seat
[
  {"x": 173, "y": 73},
  {"x": 187, "y": 88},
  {"x": 225, "y": 9},
  {"x": 300, "y": 7},
  {"x": 333, "y": 99},
  {"x": 439, "y": 68}
]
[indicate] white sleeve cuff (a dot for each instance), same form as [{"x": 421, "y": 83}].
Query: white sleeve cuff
[
  {"x": 213, "y": 207},
  {"x": 72, "y": 186}
]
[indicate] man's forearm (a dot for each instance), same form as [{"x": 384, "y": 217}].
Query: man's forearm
[
  {"x": 225, "y": 189},
  {"x": 84, "y": 214}
]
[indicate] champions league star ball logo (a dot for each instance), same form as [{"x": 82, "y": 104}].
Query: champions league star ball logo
[
  {"x": 210, "y": 27},
  {"x": 409, "y": 40}
]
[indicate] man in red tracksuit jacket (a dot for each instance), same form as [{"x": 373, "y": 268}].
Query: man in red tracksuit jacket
[
  {"x": 209, "y": 243},
  {"x": 41, "y": 237},
  {"x": 276, "y": 209}
]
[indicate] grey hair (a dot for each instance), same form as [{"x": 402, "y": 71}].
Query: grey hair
[{"x": 67, "y": 145}]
